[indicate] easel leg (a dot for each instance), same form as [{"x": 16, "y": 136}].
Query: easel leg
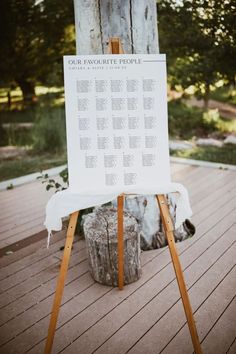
[
  {"x": 168, "y": 226},
  {"x": 61, "y": 282},
  {"x": 115, "y": 47},
  {"x": 120, "y": 232}
]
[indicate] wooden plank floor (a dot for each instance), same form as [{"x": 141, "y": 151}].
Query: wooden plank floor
[
  {"x": 147, "y": 316},
  {"x": 22, "y": 212}
]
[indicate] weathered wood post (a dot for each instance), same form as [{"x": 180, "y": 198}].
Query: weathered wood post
[{"x": 135, "y": 23}]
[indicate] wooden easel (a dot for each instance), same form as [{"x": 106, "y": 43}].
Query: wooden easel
[{"x": 115, "y": 47}]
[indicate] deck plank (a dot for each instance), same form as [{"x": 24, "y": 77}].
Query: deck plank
[
  {"x": 232, "y": 347},
  {"x": 140, "y": 318},
  {"x": 27, "y": 259},
  {"x": 223, "y": 333},
  {"x": 40, "y": 279},
  {"x": 206, "y": 316},
  {"x": 166, "y": 328},
  {"x": 105, "y": 304}
]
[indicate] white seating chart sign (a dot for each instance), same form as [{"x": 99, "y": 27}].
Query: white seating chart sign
[{"x": 116, "y": 119}]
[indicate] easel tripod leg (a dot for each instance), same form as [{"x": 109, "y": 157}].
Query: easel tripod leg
[
  {"x": 168, "y": 226},
  {"x": 61, "y": 282},
  {"x": 120, "y": 232}
]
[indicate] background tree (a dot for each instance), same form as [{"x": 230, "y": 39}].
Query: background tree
[
  {"x": 33, "y": 36},
  {"x": 199, "y": 38}
]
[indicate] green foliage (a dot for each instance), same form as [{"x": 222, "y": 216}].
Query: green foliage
[
  {"x": 18, "y": 115},
  {"x": 49, "y": 131},
  {"x": 52, "y": 184},
  {"x": 211, "y": 118},
  {"x": 225, "y": 154},
  {"x": 186, "y": 122},
  {"x": 199, "y": 38},
  {"x": 34, "y": 35},
  {"x": 16, "y": 136},
  {"x": 3, "y": 136},
  {"x": 13, "y": 132},
  {"x": 225, "y": 94},
  {"x": 29, "y": 164},
  {"x": 64, "y": 175}
]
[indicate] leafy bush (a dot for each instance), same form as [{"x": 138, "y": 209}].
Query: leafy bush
[
  {"x": 186, "y": 122},
  {"x": 51, "y": 183},
  {"x": 3, "y": 136},
  {"x": 49, "y": 131},
  {"x": 211, "y": 118},
  {"x": 225, "y": 94},
  {"x": 15, "y": 135},
  {"x": 28, "y": 114}
]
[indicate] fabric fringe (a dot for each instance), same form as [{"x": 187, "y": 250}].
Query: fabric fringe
[{"x": 48, "y": 239}]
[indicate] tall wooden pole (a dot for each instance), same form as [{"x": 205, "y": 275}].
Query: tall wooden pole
[{"x": 133, "y": 21}]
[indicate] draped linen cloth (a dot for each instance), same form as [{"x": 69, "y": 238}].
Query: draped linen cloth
[{"x": 66, "y": 202}]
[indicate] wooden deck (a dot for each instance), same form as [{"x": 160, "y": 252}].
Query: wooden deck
[
  {"x": 23, "y": 213},
  {"x": 147, "y": 316}
]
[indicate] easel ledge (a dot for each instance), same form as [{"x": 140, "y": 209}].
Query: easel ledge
[{"x": 115, "y": 47}]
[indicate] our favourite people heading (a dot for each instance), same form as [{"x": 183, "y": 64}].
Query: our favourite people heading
[{"x": 105, "y": 61}]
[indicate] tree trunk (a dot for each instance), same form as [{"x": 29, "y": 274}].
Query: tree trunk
[
  {"x": 9, "y": 99},
  {"x": 100, "y": 230},
  {"x": 134, "y": 21},
  {"x": 206, "y": 97},
  {"x": 28, "y": 90}
]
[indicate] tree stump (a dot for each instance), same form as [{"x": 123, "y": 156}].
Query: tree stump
[{"x": 100, "y": 230}]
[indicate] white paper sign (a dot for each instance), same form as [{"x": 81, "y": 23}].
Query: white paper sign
[{"x": 116, "y": 118}]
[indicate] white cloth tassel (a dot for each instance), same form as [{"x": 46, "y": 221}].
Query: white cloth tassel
[{"x": 48, "y": 239}]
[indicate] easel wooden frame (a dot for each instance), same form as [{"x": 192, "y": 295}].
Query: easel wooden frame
[{"x": 115, "y": 47}]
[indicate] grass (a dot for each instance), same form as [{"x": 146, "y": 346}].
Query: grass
[
  {"x": 47, "y": 133},
  {"x": 52, "y": 97},
  {"x": 16, "y": 136},
  {"x": 29, "y": 164},
  {"x": 45, "y": 139},
  {"x": 27, "y": 115},
  {"x": 225, "y": 154}
]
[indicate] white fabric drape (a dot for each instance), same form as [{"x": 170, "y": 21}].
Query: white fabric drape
[{"x": 66, "y": 202}]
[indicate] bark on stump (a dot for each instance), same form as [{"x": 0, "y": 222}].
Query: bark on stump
[{"x": 100, "y": 230}]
